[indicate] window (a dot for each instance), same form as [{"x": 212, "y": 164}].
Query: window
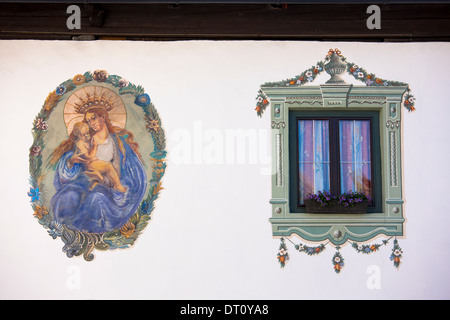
[
  {"x": 335, "y": 152},
  {"x": 336, "y": 137}
]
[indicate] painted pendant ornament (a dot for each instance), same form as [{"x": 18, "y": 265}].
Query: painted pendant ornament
[{"x": 96, "y": 163}]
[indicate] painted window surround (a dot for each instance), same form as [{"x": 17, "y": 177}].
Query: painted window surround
[{"x": 338, "y": 228}]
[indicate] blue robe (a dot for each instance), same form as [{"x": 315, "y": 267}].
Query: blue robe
[{"x": 101, "y": 209}]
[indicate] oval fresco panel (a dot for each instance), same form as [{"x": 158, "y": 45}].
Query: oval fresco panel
[{"x": 96, "y": 163}]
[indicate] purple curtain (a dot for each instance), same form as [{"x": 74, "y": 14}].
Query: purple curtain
[
  {"x": 355, "y": 160},
  {"x": 314, "y": 158}
]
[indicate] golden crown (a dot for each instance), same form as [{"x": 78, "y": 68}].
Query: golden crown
[{"x": 93, "y": 101}]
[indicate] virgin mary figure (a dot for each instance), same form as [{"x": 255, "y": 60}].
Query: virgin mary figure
[{"x": 97, "y": 207}]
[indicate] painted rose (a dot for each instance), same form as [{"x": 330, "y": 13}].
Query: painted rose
[
  {"x": 36, "y": 151},
  {"x": 41, "y": 124},
  {"x": 100, "y": 75},
  {"x": 123, "y": 83}
]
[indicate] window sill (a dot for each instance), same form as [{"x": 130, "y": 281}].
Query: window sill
[
  {"x": 337, "y": 228},
  {"x": 338, "y": 216}
]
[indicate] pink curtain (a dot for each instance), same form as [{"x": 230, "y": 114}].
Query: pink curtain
[
  {"x": 355, "y": 160},
  {"x": 314, "y": 159}
]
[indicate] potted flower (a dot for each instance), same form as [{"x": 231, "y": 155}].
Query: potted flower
[{"x": 325, "y": 202}]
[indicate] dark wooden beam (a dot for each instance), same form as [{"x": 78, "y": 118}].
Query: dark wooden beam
[{"x": 399, "y": 22}]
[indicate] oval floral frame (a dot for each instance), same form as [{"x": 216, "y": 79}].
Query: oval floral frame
[{"x": 77, "y": 243}]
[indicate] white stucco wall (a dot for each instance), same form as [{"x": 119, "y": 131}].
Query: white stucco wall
[{"x": 210, "y": 237}]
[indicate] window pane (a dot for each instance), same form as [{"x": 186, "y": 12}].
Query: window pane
[
  {"x": 306, "y": 180},
  {"x": 362, "y": 140},
  {"x": 363, "y": 182},
  {"x": 347, "y": 177},
  {"x": 305, "y": 140},
  {"x": 346, "y": 142},
  {"x": 322, "y": 177},
  {"x": 355, "y": 160},
  {"x": 314, "y": 157}
]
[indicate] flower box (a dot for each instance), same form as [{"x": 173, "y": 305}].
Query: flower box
[
  {"x": 354, "y": 203},
  {"x": 312, "y": 206}
]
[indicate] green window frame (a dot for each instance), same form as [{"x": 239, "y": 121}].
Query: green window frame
[
  {"x": 331, "y": 153},
  {"x": 383, "y": 105}
]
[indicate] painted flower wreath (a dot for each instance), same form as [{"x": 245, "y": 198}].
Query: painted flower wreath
[{"x": 310, "y": 74}]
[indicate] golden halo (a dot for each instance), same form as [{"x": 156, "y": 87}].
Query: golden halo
[{"x": 117, "y": 114}]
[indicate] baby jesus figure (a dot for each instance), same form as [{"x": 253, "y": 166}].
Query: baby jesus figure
[{"x": 85, "y": 152}]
